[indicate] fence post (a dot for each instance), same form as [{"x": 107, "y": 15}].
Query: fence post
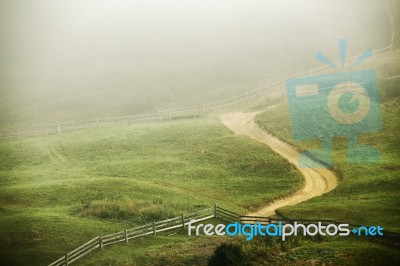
[
  {"x": 215, "y": 211},
  {"x": 101, "y": 242},
  {"x": 66, "y": 259},
  {"x": 126, "y": 235},
  {"x": 269, "y": 220},
  {"x": 130, "y": 119},
  {"x": 202, "y": 112},
  {"x": 239, "y": 217},
  {"x": 97, "y": 120},
  {"x": 59, "y": 129},
  {"x": 170, "y": 115},
  {"x": 154, "y": 228},
  {"x": 19, "y": 135},
  {"x": 183, "y": 221}
]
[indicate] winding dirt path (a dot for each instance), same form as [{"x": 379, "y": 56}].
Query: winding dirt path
[{"x": 318, "y": 181}]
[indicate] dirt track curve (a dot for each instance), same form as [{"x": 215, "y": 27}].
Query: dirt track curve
[{"x": 318, "y": 181}]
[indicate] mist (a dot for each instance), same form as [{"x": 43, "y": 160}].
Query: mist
[{"x": 71, "y": 60}]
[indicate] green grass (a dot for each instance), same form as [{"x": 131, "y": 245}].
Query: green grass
[
  {"x": 159, "y": 250},
  {"x": 367, "y": 193},
  {"x": 183, "y": 250},
  {"x": 57, "y": 192},
  {"x": 301, "y": 250}
]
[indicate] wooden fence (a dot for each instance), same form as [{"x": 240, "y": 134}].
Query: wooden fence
[
  {"x": 216, "y": 212},
  {"x": 59, "y": 128},
  {"x": 168, "y": 114},
  {"x": 128, "y": 234},
  {"x": 388, "y": 238}
]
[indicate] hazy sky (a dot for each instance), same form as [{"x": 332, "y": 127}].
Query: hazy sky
[
  {"x": 99, "y": 31},
  {"x": 132, "y": 56}
]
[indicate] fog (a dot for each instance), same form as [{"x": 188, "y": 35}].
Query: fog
[{"x": 75, "y": 59}]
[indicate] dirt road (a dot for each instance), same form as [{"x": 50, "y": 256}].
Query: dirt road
[{"x": 318, "y": 181}]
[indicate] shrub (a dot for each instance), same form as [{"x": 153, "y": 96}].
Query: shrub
[{"x": 228, "y": 255}]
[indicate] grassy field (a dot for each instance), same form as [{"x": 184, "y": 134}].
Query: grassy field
[
  {"x": 367, "y": 193},
  {"x": 59, "y": 191}
]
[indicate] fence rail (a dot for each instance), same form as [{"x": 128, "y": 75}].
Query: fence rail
[
  {"x": 59, "y": 128},
  {"x": 153, "y": 228},
  {"x": 131, "y": 233}
]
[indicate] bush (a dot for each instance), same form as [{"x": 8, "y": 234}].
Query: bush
[{"x": 228, "y": 255}]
